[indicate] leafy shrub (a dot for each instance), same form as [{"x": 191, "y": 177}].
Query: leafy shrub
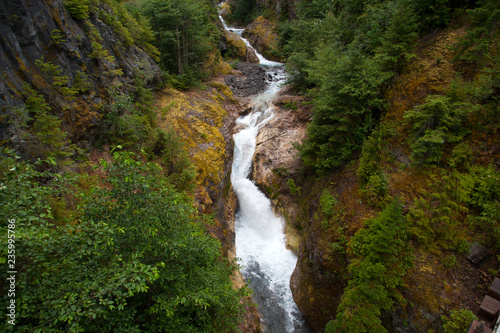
[
  {"x": 79, "y": 9},
  {"x": 434, "y": 218},
  {"x": 100, "y": 53},
  {"x": 346, "y": 55},
  {"x": 480, "y": 186},
  {"x": 457, "y": 321},
  {"x": 489, "y": 223},
  {"x": 292, "y": 187},
  {"x": 433, "y": 13},
  {"x": 344, "y": 107},
  {"x": 175, "y": 159},
  {"x": 185, "y": 35},
  {"x": 48, "y": 140},
  {"x": 136, "y": 258},
  {"x": 327, "y": 203},
  {"x": 475, "y": 46},
  {"x": 449, "y": 261},
  {"x": 436, "y": 122},
  {"x": 375, "y": 191},
  {"x": 460, "y": 156},
  {"x": 244, "y": 11}
]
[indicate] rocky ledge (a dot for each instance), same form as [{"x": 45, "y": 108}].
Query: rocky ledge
[{"x": 250, "y": 79}]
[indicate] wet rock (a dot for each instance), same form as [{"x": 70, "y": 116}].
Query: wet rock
[{"x": 251, "y": 81}]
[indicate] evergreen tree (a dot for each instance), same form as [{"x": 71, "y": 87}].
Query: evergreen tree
[
  {"x": 381, "y": 256},
  {"x": 185, "y": 35}
]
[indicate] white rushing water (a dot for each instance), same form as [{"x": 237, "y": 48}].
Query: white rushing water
[{"x": 260, "y": 240}]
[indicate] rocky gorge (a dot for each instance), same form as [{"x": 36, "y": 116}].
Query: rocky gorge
[{"x": 86, "y": 71}]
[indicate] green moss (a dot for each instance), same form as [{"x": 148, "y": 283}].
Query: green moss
[{"x": 198, "y": 117}]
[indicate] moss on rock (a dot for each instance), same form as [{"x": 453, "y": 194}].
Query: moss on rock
[{"x": 262, "y": 35}]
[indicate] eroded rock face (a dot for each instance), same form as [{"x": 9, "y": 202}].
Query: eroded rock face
[
  {"x": 261, "y": 33},
  {"x": 44, "y": 30},
  {"x": 275, "y": 142}
]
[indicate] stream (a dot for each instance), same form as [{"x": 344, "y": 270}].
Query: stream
[{"x": 266, "y": 264}]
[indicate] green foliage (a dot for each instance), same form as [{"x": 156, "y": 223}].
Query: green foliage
[
  {"x": 294, "y": 190},
  {"x": 433, "y": 13},
  {"x": 434, "y": 218},
  {"x": 100, "y": 53},
  {"x": 488, "y": 222},
  {"x": 476, "y": 46},
  {"x": 480, "y": 185},
  {"x": 131, "y": 123},
  {"x": 60, "y": 84},
  {"x": 130, "y": 126},
  {"x": 175, "y": 159},
  {"x": 327, "y": 204},
  {"x": 381, "y": 256},
  {"x": 19, "y": 117},
  {"x": 82, "y": 82},
  {"x": 460, "y": 156},
  {"x": 450, "y": 261},
  {"x": 344, "y": 107},
  {"x": 397, "y": 41},
  {"x": 135, "y": 259},
  {"x": 131, "y": 26},
  {"x": 480, "y": 188},
  {"x": 48, "y": 141},
  {"x": 57, "y": 37},
  {"x": 436, "y": 122},
  {"x": 79, "y": 9},
  {"x": 375, "y": 192},
  {"x": 346, "y": 53},
  {"x": 244, "y": 11},
  {"x": 371, "y": 156},
  {"x": 457, "y": 321},
  {"x": 185, "y": 35}
]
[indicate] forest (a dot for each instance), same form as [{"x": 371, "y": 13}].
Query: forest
[{"x": 122, "y": 242}]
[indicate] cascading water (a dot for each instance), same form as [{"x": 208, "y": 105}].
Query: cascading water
[{"x": 260, "y": 241}]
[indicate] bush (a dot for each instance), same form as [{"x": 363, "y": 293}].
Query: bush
[
  {"x": 457, "y": 321},
  {"x": 294, "y": 190},
  {"x": 79, "y": 9},
  {"x": 135, "y": 258},
  {"x": 371, "y": 156},
  {"x": 434, "y": 218},
  {"x": 480, "y": 185},
  {"x": 327, "y": 204},
  {"x": 434, "y": 123},
  {"x": 375, "y": 191}
]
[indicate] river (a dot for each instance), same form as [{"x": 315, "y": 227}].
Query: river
[{"x": 260, "y": 240}]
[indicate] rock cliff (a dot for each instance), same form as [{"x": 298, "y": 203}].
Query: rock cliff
[{"x": 86, "y": 53}]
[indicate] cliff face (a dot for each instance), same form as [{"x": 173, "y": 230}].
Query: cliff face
[{"x": 87, "y": 54}]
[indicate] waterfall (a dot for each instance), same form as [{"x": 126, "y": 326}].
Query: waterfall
[{"x": 260, "y": 240}]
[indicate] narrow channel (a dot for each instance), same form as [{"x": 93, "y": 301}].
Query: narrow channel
[{"x": 260, "y": 240}]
